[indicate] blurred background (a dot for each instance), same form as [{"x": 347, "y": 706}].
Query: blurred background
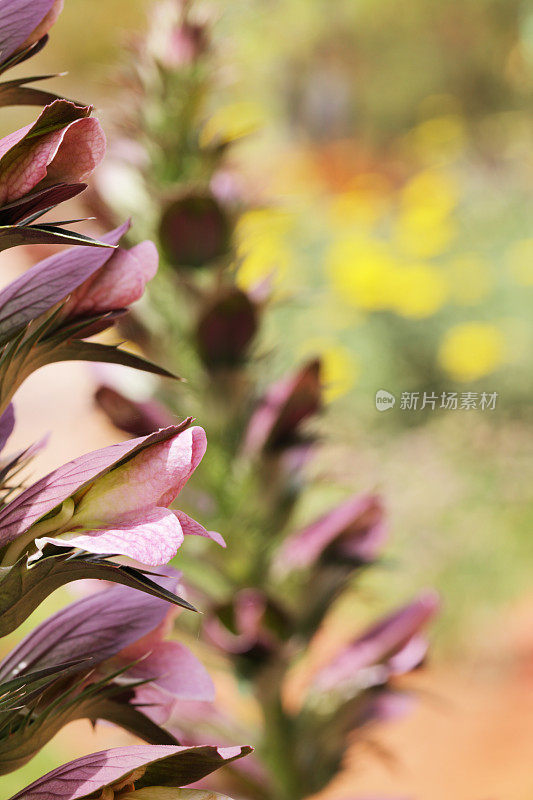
[{"x": 393, "y": 141}]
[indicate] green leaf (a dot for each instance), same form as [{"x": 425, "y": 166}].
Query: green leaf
[
  {"x": 80, "y": 350},
  {"x": 15, "y": 235},
  {"x": 16, "y": 93},
  {"x": 23, "y": 588},
  {"x": 127, "y": 717}
]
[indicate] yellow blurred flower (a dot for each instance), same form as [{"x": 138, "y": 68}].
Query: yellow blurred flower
[
  {"x": 232, "y": 122},
  {"x": 419, "y": 291},
  {"x": 262, "y": 246},
  {"x": 340, "y": 367},
  {"x": 520, "y": 261},
  {"x": 424, "y": 227},
  {"x": 433, "y": 189},
  {"x": 424, "y": 232},
  {"x": 362, "y": 272},
  {"x": 438, "y": 140},
  {"x": 267, "y": 258},
  {"x": 471, "y": 350},
  {"x": 262, "y": 223},
  {"x": 470, "y": 279}
]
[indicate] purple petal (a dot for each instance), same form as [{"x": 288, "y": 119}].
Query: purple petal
[
  {"x": 47, "y": 493},
  {"x": 48, "y": 282},
  {"x": 7, "y": 423},
  {"x": 153, "y": 539},
  {"x": 173, "y": 668},
  {"x": 190, "y": 527},
  {"x": 355, "y": 530},
  {"x": 285, "y": 406},
  {"x": 382, "y": 643},
  {"x": 97, "y": 627},
  {"x": 18, "y": 20},
  {"x": 166, "y": 765}
]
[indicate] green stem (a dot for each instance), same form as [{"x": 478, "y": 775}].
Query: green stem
[
  {"x": 278, "y": 742},
  {"x": 55, "y": 523}
]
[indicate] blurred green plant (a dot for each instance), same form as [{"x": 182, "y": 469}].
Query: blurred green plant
[{"x": 268, "y": 597}]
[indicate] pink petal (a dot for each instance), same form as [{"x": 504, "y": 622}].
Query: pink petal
[
  {"x": 154, "y": 703},
  {"x": 30, "y": 167},
  {"x": 154, "y": 477},
  {"x": 190, "y": 527},
  {"x": 119, "y": 283},
  {"x": 90, "y": 775},
  {"x": 355, "y": 528},
  {"x": 50, "y": 491},
  {"x": 14, "y": 138},
  {"x": 154, "y": 539},
  {"x": 390, "y": 638},
  {"x": 65, "y": 155},
  {"x": 82, "y": 148}
]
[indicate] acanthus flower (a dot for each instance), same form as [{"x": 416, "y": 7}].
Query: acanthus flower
[
  {"x": 107, "y": 659},
  {"x": 43, "y": 164},
  {"x": 112, "y": 501}
]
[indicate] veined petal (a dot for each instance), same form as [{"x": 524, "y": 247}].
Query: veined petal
[
  {"x": 62, "y": 145},
  {"x": 49, "y": 492},
  {"x": 153, "y": 540},
  {"x": 121, "y": 283},
  {"x": 80, "y": 150},
  {"x": 19, "y": 19},
  {"x": 190, "y": 527},
  {"x": 49, "y": 281},
  {"x": 169, "y": 765},
  {"x": 154, "y": 477},
  {"x": 45, "y": 25}
]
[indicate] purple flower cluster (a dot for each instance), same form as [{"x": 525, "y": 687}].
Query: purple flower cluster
[{"x": 106, "y": 656}]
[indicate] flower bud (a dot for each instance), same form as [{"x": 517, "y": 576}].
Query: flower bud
[
  {"x": 225, "y": 329},
  {"x": 194, "y": 231},
  {"x": 187, "y": 43},
  {"x": 251, "y": 628},
  {"x": 137, "y": 419},
  {"x": 275, "y": 424},
  {"x": 352, "y": 533}
]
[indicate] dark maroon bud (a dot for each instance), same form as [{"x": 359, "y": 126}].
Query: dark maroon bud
[
  {"x": 137, "y": 419},
  {"x": 226, "y": 328},
  {"x": 195, "y": 231}
]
